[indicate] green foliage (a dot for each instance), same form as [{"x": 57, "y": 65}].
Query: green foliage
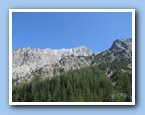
[
  {"x": 89, "y": 84},
  {"x": 86, "y": 84}
]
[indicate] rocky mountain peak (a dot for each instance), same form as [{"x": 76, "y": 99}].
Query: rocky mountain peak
[{"x": 122, "y": 44}]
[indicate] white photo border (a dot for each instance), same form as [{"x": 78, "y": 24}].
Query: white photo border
[{"x": 71, "y": 10}]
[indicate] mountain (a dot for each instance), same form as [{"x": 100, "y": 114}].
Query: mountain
[
  {"x": 30, "y": 63},
  {"x": 73, "y": 75},
  {"x": 27, "y": 60},
  {"x": 121, "y": 48}
]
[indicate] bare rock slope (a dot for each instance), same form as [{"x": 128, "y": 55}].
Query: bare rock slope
[{"x": 27, "y": 61}]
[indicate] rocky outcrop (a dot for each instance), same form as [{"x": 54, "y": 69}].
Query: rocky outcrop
[{"x": 122, "y": 44}]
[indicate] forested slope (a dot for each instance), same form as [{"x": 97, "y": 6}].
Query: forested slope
[{"x": 88, "y": 84}]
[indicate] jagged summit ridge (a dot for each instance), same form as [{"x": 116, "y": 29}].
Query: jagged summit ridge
[
  {"x": 78, "y": 51},
  {"x": 82, "y": 50}
]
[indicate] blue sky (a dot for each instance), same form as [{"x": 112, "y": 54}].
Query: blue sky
[{"x": 96, "y": 31}]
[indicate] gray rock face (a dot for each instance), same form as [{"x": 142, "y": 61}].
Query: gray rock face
[
  {"x": 122, "y": 44},
  {"x": 70, "y": 63},
  {"x": 27, "y": 60}
]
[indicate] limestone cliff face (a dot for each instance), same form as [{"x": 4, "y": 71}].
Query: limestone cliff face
[{"x": 27, "y": 60}]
